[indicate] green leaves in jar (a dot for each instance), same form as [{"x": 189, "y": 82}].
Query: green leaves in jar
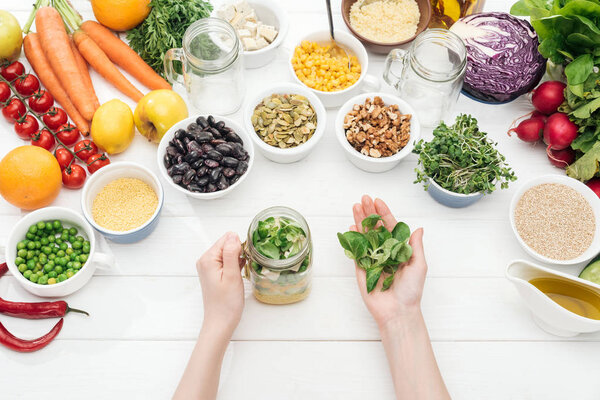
[
  {"x": 378, "y": 251},
  {"x": 278, "y": 238}
]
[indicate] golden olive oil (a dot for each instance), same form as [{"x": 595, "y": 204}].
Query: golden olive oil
[
  {"x": 447, "y": 12},
  {"x": 572, "y": 296}
]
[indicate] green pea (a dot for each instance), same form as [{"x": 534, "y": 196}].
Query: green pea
[
  {"x": 72, "y": 238},
  {"x": 64, "y": 246},
  {"x": 29, "y": 236},
  {"x": 51, "y": 281},
  {"x": 76, "y": 264},
  {"x": 22, "y": 268},
  {"x": 38, "y": 245},
  {"x": 83, "y": 258},
  {"x": 33, "y": 229},
  {"x": 46, "y": 250},
  {"x": 69, "y": 251},
  {"x": 69, "y": 274},
  {"x": 80, "y": 238},
  {"x": 62, "y": 277},
  {"x": 70, "y": 264},
  {"x": 51, "y": 256},
  {"x": 51, "y": 239},
  {"x": 36, "y": 258},
  {"x": 41, "y": 225},
  {"x": 64, "y": 237},
  {"x": 37, "y": 269},
  {"x": 27, "y": 274},
  {"x": 86, "y": 247},
  {"x": 36, "y": 252},
  {"x": 21, "y": 245},
  {"x": 48, "y": 226},
  {"x": 57, "y": 225},
  {"x": 73, "y": 257},
  {"x": 73, "y": 231},
  {"x": 33, "y": 278},
  {"x": 60, "y": 253},
  {"x": 31, "y": 245},
  {"x": 31, "y": 264},
  {"x": 44, "y": 241},
  {"x": 43, "y": 260},
  {"x": 62, "y": 261},
  {"x": 19, "y": 260},
  {"x": 48, "y": 267},
  {"x": 65, "y": 231},
  {"x": 58, "y": 269},
  {"x": 30, "y": 254},
  {"x": 42, "y": 280},
  {"x": 77, "y": 244},
  {"x": 52, "y": 274},
  {"x": 58, "y": 240}
]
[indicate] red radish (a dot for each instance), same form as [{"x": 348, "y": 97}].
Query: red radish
[
  {"x": 561, "y": 158},
  {"x": 594, "y": 184},
  {"x": 559, "y": 131},
  {"x": 547, "y": 97},
  {"x": 539, "y": 115},
  {"x": 529, "y": 130}
]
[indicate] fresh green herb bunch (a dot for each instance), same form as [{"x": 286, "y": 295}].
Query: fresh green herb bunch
[
  {"x": 460, "y": 158},
  {"x": 278, "y": 238},
  {"x": 164, "y": 28},
  {"x": 377, "y": 250}
]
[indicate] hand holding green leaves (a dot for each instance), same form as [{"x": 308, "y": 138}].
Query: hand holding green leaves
[{"x": 377, "y": 250}]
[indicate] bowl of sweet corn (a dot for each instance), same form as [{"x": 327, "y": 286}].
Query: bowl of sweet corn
[{"x": 333, "y": 79}]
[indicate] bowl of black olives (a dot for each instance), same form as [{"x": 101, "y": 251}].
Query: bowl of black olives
[{"x": 205, "y": 157}]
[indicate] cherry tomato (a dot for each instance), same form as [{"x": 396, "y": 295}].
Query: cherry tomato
[
  {"x": 13, "y": 110},
  {"x": 12, "y": 71},
  {"x": 73, "y": 177},
  {"x": 68, "y": 134},
  {"x": 43, "y": 139},
  {"x": 54, "y": 118},
  {"x": 27, "y": 85},
  {"x": 26, "y": 126},
  {"x": 85, "y": 148},
  {"x": 4, "y": 92},
  {"x": 63, "y": 156},
  {"x": 97, "y": 161},
  {"x": 41, "y": 101}
]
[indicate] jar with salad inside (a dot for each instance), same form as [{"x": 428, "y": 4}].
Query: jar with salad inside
[{"x": 278, "y": 255}]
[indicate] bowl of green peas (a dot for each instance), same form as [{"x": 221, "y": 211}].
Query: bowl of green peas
[{"x": 52, "y": 252}]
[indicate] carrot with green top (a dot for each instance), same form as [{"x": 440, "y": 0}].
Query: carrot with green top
[
  {"x": 35, "y": 55},
  {"x": 83, "y": 69},
  {"x": 102, "y": 64},
  {"x": 55, "y": 42},
  {"x": 122, "y": 55}
]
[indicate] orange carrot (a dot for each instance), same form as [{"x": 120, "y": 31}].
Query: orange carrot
[
  {"x": 55, "y": 42},
  {"x": 85, "y": 73},
  {"x": 122, "y": 55},
  {"x": 101, "y": 63},
  {"x": 35, "y": 55}
]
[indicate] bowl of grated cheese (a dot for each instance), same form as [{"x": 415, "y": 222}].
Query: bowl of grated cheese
[{"x": 382, "y": 25}]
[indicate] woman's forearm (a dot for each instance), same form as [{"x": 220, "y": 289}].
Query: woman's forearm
[
  {"x": 200, "y": 380},
  {"x": 414, "y": 369}
]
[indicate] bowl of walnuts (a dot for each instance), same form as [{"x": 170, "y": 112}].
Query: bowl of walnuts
[{"x": 376, "y": 131}]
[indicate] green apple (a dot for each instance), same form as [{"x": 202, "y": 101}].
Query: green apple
[
  {"x": 158, "y": 111},
  {"x": 12, "y": 37}
]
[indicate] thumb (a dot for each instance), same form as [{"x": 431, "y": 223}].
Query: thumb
[
  {"x": 416, "y": 242},
  {"x": 232, "y": 249}
]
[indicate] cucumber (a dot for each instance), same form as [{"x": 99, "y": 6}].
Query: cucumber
[{"x": 592, "y": 271}]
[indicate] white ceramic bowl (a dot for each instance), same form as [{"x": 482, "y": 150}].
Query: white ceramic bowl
[
  {"x": 366, "y": 83},
  {"x": 69, "y": 218},
  {"x": 269, "y": 13},
  {"x": 293, "y": 154},
  {"x": 162, "y": 146},
  {"x": 107, "y": 174},
  {"x": 367, "y": 163},
  {"x": 581, "y": 188}
]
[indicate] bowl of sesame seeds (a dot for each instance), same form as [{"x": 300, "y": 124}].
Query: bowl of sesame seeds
[
  {"x": 123, "y": 201},
  {"x": 556, "y": 219}
]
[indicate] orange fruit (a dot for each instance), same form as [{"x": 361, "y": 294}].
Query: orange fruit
[
  {"x": 120, "y": 15},
  {"x": 30, "y": 177}
]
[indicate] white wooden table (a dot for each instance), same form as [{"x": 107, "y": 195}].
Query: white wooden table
[{"x": 146, "y": 313}]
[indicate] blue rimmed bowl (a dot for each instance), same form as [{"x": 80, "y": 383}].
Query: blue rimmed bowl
[
  {"x": 107, "y": 174},
  {"x": 451, "y": 199}
]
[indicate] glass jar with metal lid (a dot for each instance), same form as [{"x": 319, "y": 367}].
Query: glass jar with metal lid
[
  {"x": 278, "y": 255},
  {"x": 212, "y": 66}
]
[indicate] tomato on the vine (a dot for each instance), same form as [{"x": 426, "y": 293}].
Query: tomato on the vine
[
  {"x": 54, "y": 118},
  {"x": 44, "y": 139},
  {"x": 12, "y": 71},
  {"x": 41, "y": 101},
  {"x": 4, "y": 92},
  {"x": 13, "y": 110},
  {"x": 85, "y": 149},
  {"x": 68, "y": 134},
  {"x": 27, "y": 85},
  {"x": 74, "y": 176},
  {"x": 64, "y": 157},
  {"x": 97, "y": 161},
  {"x": 26, "y": 126}
]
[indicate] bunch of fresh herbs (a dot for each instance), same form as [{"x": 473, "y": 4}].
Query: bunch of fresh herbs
[
  {"x": 377, "y": 250},
  {"x": 462, "y": 159},
  {"x": 164, "y": 28},
  {"x": 278, "y": 238}
]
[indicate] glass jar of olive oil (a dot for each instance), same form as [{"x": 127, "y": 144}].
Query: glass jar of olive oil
[
  {"x": 278, "y": 254},
  {"x": 447, "y": 12}
]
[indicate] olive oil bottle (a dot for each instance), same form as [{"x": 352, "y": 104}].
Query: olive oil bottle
[
  {"x": 447, "y": 12},
  {"x": 575, "y": 298}
]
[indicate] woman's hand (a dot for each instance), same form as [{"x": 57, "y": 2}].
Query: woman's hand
[
  {"x": 222, "y": 286},
  {"x": 404, "y": 296}
]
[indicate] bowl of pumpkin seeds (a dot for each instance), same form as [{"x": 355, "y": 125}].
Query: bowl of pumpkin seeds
[{"x": 285, "y": 122}]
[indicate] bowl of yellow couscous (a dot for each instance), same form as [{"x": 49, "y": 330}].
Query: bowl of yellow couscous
[{"x": 331, "y": 79}]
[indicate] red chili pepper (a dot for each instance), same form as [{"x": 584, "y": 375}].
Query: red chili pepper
[
  {"x": 3, "y": 269},
  {"x": 37, "y": 310},
  {"x": 28, "y": 346}
]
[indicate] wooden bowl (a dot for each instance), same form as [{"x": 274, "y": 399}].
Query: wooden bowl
[{"x": 384, "y": 48}]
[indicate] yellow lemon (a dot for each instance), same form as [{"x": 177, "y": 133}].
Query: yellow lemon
[{"x": 112, "y": 126}]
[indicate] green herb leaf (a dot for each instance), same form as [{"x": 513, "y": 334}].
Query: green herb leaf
[
  {"x": 355, "y": 243},
  {"x": 370, "y": 221},
  {"x": 579, "y": 69},
  {"x": 401, "y": 253},
  {"x": 586, "y": 167},
  {"x": 268, "y": 250},
  {"x": 401, "y": 232},
  {"x": 373, "y": 275},
  {"x": 387, "y": 282}
]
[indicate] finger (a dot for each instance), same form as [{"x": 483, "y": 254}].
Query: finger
[
  {"x": 212, "y": 256},
  {"x": 368, "y": 205},
  {"x": 361, "y": 278},
  {"x": 384, "y": 211},
  {"x": 232, "y": 250},
  {"x": 416, "y": 242},
  {"x": 359, "y": 215}
]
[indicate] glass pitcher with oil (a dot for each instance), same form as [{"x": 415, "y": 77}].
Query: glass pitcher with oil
[{"x": 447, "y": 12}]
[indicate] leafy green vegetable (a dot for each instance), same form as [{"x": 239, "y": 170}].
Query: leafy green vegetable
[
  {"x": 377, "y": 250},
  {"x": 278, "y": 238},
  {"x": 460, "y": 158},
  {"x": 586, "y": 167},
  {"x": 164, "y": 28}
]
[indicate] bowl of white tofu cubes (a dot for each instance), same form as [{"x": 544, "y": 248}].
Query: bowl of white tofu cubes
[{"x": 261, "y": 26}]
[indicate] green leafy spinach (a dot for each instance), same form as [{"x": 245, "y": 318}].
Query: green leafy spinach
[{"x": 278, "y": 238}]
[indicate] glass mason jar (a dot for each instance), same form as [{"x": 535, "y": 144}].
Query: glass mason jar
[
  {"x": 447, "y": 12},
  {"x": 282, "y": 281},
  {"x": 430, "y": 75},
  {"x": 212, "y": 66}
]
